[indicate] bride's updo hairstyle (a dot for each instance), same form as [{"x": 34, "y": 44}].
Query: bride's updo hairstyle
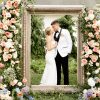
[{"x": 48, "y": 31}]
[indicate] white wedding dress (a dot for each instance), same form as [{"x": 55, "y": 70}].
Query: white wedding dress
[{"x": 50, "y": 73}]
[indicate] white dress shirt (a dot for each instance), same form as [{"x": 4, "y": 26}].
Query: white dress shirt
[{"x": 65, "y": 43}]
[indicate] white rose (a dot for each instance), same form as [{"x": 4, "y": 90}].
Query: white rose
[
  {"x": 97, "y": 64},
  {"x": 8, "y": 15},
  {"x": 98, "y": 22},
  {"x": 91, "y": 16},
  {"x": 13, "y": 27},
  {"x": 2, "y": 31},
  {"x": 10, "y": 35},
  {"x": 19, "y": 84},
  {"x": 84, "y": 91},
  {"x": 12, "y": 50},
  {"x": 89, "y": 51},
  {"x": 17, "y": 14},
  {"x": 96, "y": 44},
  {"x": 8, "y": 44},
  {"x": 16, "y": 31},
  {"x": 88, "y": 73},
  {"x": 96, "y": 71},
  {"x": 20, "y": 46},
  {"x": 5, "y": 21},
  {"x": 15, "y": 55},
  {"x": 91, "y": 82},
  {"x": 5, "y": 85},
  {"x": 12, "y": 62}
]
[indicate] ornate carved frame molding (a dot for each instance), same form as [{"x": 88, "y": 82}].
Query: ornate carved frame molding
[{"x": 26, "y": 38}]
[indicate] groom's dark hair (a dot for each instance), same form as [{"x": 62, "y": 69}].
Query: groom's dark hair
[{"x": 55, "y": 22}]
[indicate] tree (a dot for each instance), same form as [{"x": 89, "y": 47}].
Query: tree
[{"x": 37, "y": 37}]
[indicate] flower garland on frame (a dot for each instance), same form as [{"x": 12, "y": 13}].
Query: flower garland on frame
[
  {"x": 10, "y": 39},
  {"x": 90, "y": 28},
  {"x": 11, "y": 82}
]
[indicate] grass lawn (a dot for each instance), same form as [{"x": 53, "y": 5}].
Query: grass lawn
[
  {"x": 55, "y": 96},
  {"x": 38, "y": 65}
]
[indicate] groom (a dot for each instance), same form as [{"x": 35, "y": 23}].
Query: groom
[{"x": 64, "y": 47}]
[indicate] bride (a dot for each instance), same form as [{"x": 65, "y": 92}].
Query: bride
[{"x": 50, "y": 73}]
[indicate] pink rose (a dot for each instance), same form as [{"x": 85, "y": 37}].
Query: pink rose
[
  {"x": 6, "y": 50},
  {"x": 24, "y": 80},
  {"x": 8, "y": 4},
  {"x": 14, "y": 82},
  {"x": 96, "y": 49},
  {"x": 90, "y": 12},
  {"x": 94, "y": 58},
  {"x": 3, "y": 43},
  {"x": 8, "y": 34},
  {"x": 86, "y": 48},
  {"x": 84, "y": 62},
  {"x": 86, "y": 55},
  {"x": 5, "y": 27},
  {"x": 9, "y": 56},
  {"x": 1, "y": 25},
  {"x": 98, "y": 36},
  {"x": 15, "y": 4},
  {"x": 13, "y": 20},
  {"x": 2, "y": 65},
  {"x": 96, "y": 33},
  {"x": 91, "y": 43}
]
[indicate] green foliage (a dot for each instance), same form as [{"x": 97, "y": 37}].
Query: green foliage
[
  {"x": 37, "y": 37},
  {"x": 55, "y": 96},
  {"x": 9, "y": 75},
  {"x": 38, "y": 65},
  {"x": 66, "y": 22}
]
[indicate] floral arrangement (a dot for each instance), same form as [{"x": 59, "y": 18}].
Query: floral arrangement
[
  {"x": 10, "y": 41},
  {"x": 18, "y": 90},
  {"x": 90, "y": 28},
  {"x": 11, "y": 86}
]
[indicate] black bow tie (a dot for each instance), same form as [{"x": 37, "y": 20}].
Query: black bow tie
[{"x": 57, "y": 38}]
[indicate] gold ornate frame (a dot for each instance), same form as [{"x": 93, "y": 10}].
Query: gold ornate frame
[{"x": 26, "y": 39}]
